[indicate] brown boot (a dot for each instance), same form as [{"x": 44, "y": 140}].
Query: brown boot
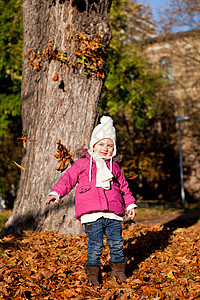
[
  {"x": 92, "y": 272},
  {"x": 118, "y": 270}
]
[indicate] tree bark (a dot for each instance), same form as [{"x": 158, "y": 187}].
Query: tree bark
[{"x": 63, "y": 109}]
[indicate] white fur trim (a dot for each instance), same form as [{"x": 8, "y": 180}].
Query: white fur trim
[
  {"x": 54, "y": 194},
  {"x": 131, "y": 206}
]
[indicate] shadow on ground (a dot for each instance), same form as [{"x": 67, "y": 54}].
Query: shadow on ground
[{"x": 148, "y": 243}]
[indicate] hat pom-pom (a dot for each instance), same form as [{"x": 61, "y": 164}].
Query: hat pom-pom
[{"x": 106, "y": 120}]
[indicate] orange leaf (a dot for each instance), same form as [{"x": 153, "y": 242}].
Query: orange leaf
[
  {"x": 133, "y": 177},
  {"x": 68, "y": 293},
  {"x": 55, "y": 77},
  {"x": 19, "y": 166},
  {"x": 24, "y": 136}
]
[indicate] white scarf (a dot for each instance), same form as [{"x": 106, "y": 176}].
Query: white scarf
[{"x": 103, "y": 175}]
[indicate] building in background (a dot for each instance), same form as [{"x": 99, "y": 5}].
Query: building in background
[{"x": 178, "y": 58}]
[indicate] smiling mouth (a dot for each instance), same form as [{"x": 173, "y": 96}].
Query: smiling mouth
[{"x": 104, "y": 153}]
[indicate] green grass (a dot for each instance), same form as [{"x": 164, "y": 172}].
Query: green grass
[
  {"x": 142, "y": 212},
  {"x": 4, "y": 215},
  {"x": 157, "y": 210}
]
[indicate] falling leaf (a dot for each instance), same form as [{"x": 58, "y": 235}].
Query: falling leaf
[
  {"x": 133, "y": 177},
  {"x": 64, "y": 156},
  {"x": 55, "y": 77},
  {"x": 19, "y": 166},
  {"x": 33, "y": 141},
  {"x": 24, "y": 137}
]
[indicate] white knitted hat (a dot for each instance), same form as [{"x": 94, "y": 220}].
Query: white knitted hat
[{"x": 104, "y": 130}]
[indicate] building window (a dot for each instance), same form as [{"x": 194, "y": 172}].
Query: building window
[{"x": 165, "y": 67}]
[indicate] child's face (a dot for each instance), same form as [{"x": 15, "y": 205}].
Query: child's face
[{"x": 104, "y": 147}]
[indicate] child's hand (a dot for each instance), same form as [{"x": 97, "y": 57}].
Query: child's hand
[
  {"x": 131, "y": 213},
  {"x": 53, "y": 199}
]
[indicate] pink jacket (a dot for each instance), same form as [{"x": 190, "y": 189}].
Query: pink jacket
[{"x": 88, "y": 197}]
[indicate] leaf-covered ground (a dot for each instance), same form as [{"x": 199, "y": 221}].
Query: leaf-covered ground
[{"x": 163, "y": 263}]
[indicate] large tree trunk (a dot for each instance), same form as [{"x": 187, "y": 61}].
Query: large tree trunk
[{"x": 62, "y": 109}]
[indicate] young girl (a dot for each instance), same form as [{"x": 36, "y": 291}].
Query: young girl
[{"x": 101, "y": 196}]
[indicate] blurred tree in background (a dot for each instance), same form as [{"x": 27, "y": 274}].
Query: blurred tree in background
[
  {"x": 180, "y": 15},
  {"x": 10, "y": 99},
  {"x": 133, "y": 96}
]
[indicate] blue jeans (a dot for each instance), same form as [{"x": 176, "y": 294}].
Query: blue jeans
[{"x": 95, "y": 231}]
